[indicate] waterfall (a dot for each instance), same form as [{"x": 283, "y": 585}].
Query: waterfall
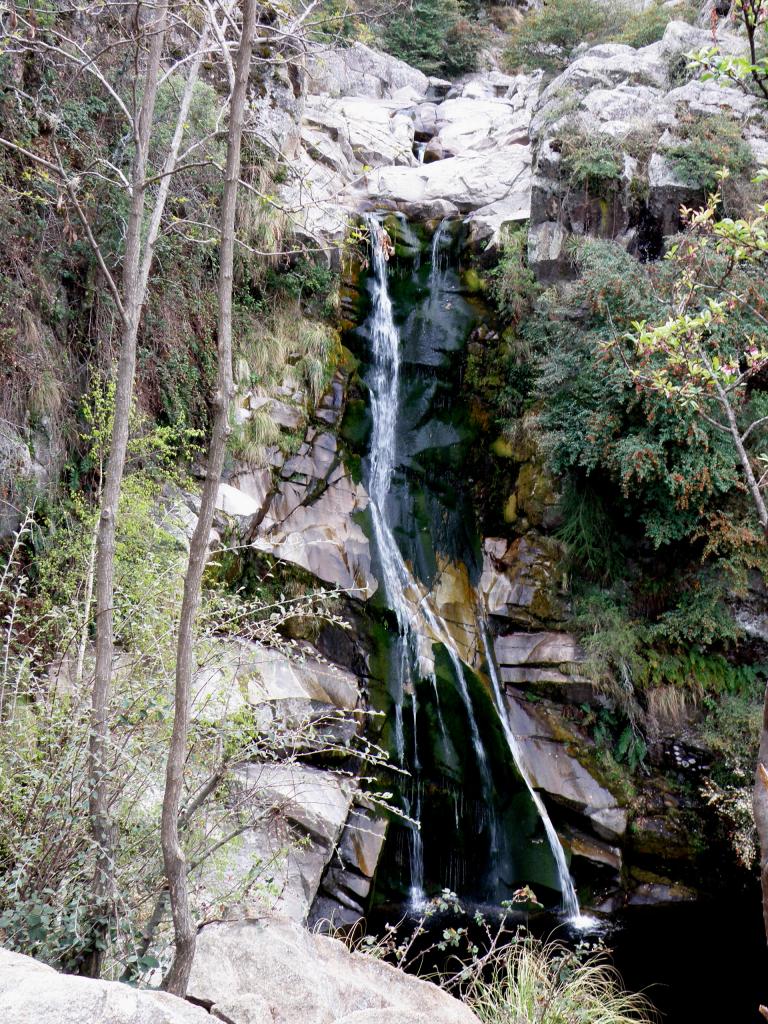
[
  {"x": 385, "y": 391},
  {"x": 438, "y": 256},
  {"x": 416, "y": 618},
  {"x": 570, "y": 900}
]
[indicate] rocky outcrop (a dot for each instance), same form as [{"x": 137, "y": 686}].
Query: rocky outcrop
[
  {"x": 369, "y": 116},
  {"x": 312, "y": 519},
  {"x": 347, "y": 881},
  {"x": 550, "y": 750},
  {"x": 305, "y": 508},
  {"x": 33, "y": 993},
  {"x": 370, "y": 119},
  {"x": 358, "y": 70},
  {"x": 539, "y": 658},
  {"x": 635, "y": 101},
  {"x": 30, "y": 460},
  {"x": 272, "y": 970},
  {"x": 522, "y": 580}
]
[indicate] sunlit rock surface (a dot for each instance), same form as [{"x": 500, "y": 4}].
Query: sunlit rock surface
[
  {"x": 295, "y": 976},
  {"x": 33, "y": 993},
  {"x": 637, "y": 99},
  {"x": 369, "y": 121}
]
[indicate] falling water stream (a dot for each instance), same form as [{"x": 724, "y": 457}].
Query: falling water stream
[
  {"x": 417, "y": 621},
  {"x": 570, "y": 900}
]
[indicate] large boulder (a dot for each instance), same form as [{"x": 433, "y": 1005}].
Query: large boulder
[
  {"x": 358, "y": 70},
  {"x": 292, "y": 975},
  {"x": 611, "y": 64},
  {"x": 667, "y": 192},
  {"x": 465, "y": 124},
  {"x": 464, "y": 182},
  {"x": 366, "y": 132},
  {"x": 33, "y": 993}
]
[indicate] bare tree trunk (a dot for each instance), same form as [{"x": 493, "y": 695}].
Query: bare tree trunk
[
  {"x": 185, "y": 930},
  {"x": 88, "y": 596},
  {"x": 133, "y": 300}
]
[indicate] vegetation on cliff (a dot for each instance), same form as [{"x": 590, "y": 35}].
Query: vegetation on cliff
[{"x": 651, "y": 494}]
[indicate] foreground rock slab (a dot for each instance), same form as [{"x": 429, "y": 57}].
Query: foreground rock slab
[
  {"x": 273, "y": 971},
  {"x": 33, "y": 993}
]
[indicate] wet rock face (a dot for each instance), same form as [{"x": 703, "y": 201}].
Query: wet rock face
[{"x": 549, "y": 748}]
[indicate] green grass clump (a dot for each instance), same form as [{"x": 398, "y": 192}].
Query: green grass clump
[
  {"x": 591, "y": 161},
  {"x": 545, "y": 983},
  {"x": 707, "y": 144}
]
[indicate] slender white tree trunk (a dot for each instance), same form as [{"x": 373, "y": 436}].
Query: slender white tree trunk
[
  {"x": 185, "y": 930},
  {"x": 133, "y": 300}
]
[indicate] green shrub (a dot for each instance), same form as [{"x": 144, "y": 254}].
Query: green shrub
[
  {"x": 340, "y": 21},
  {"x": 732, "y": 727},
  {"x": 645, "y": 27},
  {"x": 707, "y": 144},
  {"x": 546, "y": 983},
  {"x": 589, "y": 533},
  {"x": 514, "y": 286},
  {"x": 591, "y": 160},
  {"x": 546, "y": 38},
  {"x": 464, "y": 42},
  {"x": 433, "y": 36}
]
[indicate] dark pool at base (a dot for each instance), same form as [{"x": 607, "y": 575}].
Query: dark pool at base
[{"x": 698, "y": 963}]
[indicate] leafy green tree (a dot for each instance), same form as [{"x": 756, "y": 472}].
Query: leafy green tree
[
  {"x": 708, "y": 356},
  {"x": 695, "y": 359},
  {"x": 433, "y": 36}
]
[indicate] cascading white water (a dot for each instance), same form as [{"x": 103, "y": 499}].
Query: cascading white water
[
  {"x": 385, "y": 390},
  {"x": 385, "y": 387},
  {"x": 570, "y": 899},
  {"x": 397, "y": 580},
  {"x": 415, "y": 619}
]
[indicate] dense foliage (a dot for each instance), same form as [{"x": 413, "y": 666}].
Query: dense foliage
[
  {"x": 435, "y": 36},
  {"x": 547, "y": 37},
  {"x": 652, "y": 507}
]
